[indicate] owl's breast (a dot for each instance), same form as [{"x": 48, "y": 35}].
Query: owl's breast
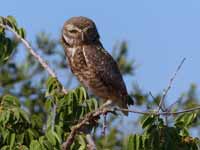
[{"x": 79, "y": 66}]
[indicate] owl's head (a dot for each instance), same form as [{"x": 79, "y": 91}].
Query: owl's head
[{"x": 78, "y": 31}]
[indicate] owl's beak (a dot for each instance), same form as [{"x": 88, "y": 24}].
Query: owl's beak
[{"x": 82, "y": 36}]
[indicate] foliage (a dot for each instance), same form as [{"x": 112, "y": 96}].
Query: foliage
[
  {"x": 157, "y": 136},
  {"x": 37, "y": 115}
]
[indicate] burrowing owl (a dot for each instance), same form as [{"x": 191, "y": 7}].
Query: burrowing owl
[{"x": 91, "y": 63}]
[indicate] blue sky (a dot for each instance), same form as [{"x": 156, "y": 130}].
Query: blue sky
[{"x": 159, "y": 33}]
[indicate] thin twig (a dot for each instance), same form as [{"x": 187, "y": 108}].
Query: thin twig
[
  {"x": 174, "y": 103},
  {"x": 151, "y": 95},
  {"x": 33, "y": 52},
  {"x": 104, "y": 125},
  {"x": 169, "y": 85},
  {"x": 155, "y": 101},
  {"x": 102, "y": 110},
  {"x": 160, "y": 113}
]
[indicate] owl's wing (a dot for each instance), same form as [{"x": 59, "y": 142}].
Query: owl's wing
[{"x": 105, "y": 68}]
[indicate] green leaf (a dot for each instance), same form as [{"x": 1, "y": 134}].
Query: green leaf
[
  {"x": 9, "y": 100},
  {"x": 45, "y": 143},
  {"x": 3, "y": 119},
  {"x": 59, "y": 132},
  {"x": 185, "y": 120},
  {"x": 184, "y": 131},
  {"x": 35, "y": 145},
  {"x": 6, "y": 147},
  {"x": 16, "y": 114},
  {"x": 130, "y": 142},
  {"x": 22, "y": 32},
  {"x": 12, "y": 140},
  {"x": 32, "y": 133},
  {"x": 1, "y": 20},
  {"x": 24, "y": 115},
  {"x": 6, "y": 47},
  {"x": 56, "y": 136},
  {"x": 82, "y": 142},
  {"x": 190, "y": 118},
  {"x": 51, "y": 137},
  {"x": 92, "y": 104},
  {"x": 155, "y": 141},
  {"x": 20, "y": 138},
  {"x": 81, "y": 93},
  {"x": 148, "y": 121},
  {"x": 7, "y": 117},
  {"x": 53, "y": 86},
  {"x": 12, "y": 20},
  {"x": 5, "y": 134},
  {"x": 36, "y": 121},
  {"x": 48, "y": 105}
]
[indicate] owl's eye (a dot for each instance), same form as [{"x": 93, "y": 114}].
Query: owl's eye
[
  {"x": 73, "y": 31},
  {"x": 90, "y": 30}
]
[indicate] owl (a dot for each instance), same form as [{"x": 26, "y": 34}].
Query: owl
[{"x": 91, "y": 63}]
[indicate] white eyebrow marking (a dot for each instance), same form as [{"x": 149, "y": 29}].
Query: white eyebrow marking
[
  {"x": 73, "y": 51},
  {"x": 86, "y": 60}
]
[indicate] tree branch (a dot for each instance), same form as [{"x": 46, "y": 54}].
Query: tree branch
[
  {"x": 104, "y": 125},
  {"x": 103, "y": 110},
  {"x": 41, "y": 61},
  {"x": 160, "y": 113},
  {"x": 170, "y": 85},
  {"x": 88, "y": 118},
  {"x": 33, "y": 53}
]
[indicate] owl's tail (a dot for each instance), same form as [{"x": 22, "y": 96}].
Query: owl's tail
[{"x": 126, "y": 102}]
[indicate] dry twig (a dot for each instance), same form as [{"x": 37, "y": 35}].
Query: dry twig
[
  {"x": 169, "y": 85},
  {"x": 33, "y": 53},
  {"x": 102, "y": 110}
]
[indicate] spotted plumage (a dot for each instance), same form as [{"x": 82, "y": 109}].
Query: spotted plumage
[{"x": 91, "y": 63}]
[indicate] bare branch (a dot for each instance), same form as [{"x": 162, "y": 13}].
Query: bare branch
[
  {"x": 169, "y": 85},
  {"x": 33, "y": 52},
  {"x": 174, "y": 103},
  {"x": 151, "y": 95},
  {"x": 156, "y": 101},
  {"x": 103, "y": 110},
  {"x": 104, "y": 125},
  {"x": 160, "y": 113}
]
